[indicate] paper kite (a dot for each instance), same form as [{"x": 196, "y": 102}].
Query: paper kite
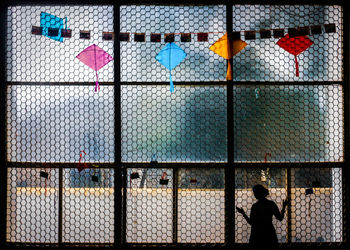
[
  {"x": 227, "y": 50},
  {"x": 171, "y": 56},
  {"x": 295, "y": 46},
  {"x": 52, "y": 26},
  {"x": 95, "y": 57}
]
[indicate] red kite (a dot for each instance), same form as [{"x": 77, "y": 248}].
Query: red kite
[{"x": 295, "y": 46}]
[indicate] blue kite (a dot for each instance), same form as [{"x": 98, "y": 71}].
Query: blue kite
[
  {"x": 52, "y": 26},
  {"x": 170, "y": 56}
]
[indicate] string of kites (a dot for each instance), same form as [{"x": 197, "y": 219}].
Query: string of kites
[{"x": 294, "y": 42}]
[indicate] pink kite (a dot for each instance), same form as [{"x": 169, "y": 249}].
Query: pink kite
[
  {"x": 295, "y": 46},
  {"x": 95, "y": 57}
]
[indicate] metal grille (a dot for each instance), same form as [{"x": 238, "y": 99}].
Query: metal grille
[
  {"x": 264, "y": 60},
  {"x": 55, "y": 123},
  {"x": 54, "y": 115},
  {"x": 33, "y": 205},
  {"x": 187, "y": 125},
  {"x": 288, "y": 123},
  {"x": 316, "y": 196},
  {"x": 149, "y": 205},
  {"x": 37, "y": 58},
  {"x": 88, "y": 206},
  {"x": 138, "y": 63},
  {"x": 201, "y": 206},
  {"x": 181, "y": 152}
]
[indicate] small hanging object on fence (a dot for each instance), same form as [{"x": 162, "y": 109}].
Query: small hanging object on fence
[
  {"x": 81, "y": 166},
  {"x": 162, "y": 180},
  {"x": 45, "y": 175}
]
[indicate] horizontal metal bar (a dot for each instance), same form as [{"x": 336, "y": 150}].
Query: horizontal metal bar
[
  {"x": 31, "y": 244},
  {"x": 199, "y": 83},
  {"x": 56, "y": 165},
  {"x": 171, "y": 3},
  {"x": 58, "y": 83},
  {"x": 152, "y": 245},
  {"x": 175, "y": 83},
  {"x": 174, "y": 165},
  {"x": 290, "y": 165},
  {"x": 235, "y": 83},
  {"x": 181, "y": 165}
]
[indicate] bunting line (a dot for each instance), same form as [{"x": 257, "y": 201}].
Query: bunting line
[{"x": 201, "y": 36}]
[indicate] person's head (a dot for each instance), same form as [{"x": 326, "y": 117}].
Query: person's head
[{"x": 260, "y": 191}]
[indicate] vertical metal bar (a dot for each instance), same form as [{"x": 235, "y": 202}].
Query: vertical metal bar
[
  {"x": 229, "y": 170},
  {"x": 345, "y": 171},
  {"x": 117, "y": 131},
  {"x": 124, "y": 203},
  {"x": 60, "y": 205},
  {"x": 289, "y": 209},
  {"x": 3, "y": 140},
  {"x": 175, "y": 203}
]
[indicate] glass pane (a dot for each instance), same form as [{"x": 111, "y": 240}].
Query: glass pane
[
  {"x": 149, "y": 209},
  {"x": 317, "y": 205},
  {"x": 138, "y": 63},
  {"x": 88, "y": 206},
  {"x": 56, "y": 123},
  {"x": 264, "y": 60},
  {"x": 201, "y": 206},
  {"x": 32, "y": 207},
  {"x": 288, "y": 123},
  {"x": 39, "y": 58},
  {"x": 274, "y": 179},
  {"x": 187, "y": 125}
]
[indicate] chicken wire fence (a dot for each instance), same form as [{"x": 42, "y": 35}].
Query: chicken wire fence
[{"x": 55, "y": 113}]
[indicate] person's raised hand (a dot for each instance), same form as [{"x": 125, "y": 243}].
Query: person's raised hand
[
  {"x": 285, "y": 202},
  {"x": 240, "y": 210}
]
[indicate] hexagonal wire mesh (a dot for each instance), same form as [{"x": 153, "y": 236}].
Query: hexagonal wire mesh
[
  {"x": 263, "y": 60},
  {"x": 32, "y": 207},
  {"x": 138, "y": 63},
  {"x": 288, "y": 123},
  {"x": 40, "y": 58},
  {"x": 272, "y": 123},
  {"x": 149, "y": 210},
  {"x": 88, "y": 205},
  {"x": 201, "y": 205},
  {"x": 56, "y": 123},
  {"x": 316, "y": 203},
  {"x": 187, "y": 125},
  {"x": 59, "y": 124}
]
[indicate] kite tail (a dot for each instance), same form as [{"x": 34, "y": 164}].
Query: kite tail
[
  {"x": 296, "y": 66},
  {"x": 97, "y": 86},
  {"x": 229, "y": 71},
  {"x": 171, "y": 84}
]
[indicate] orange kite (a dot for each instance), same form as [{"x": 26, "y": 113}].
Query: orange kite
[{"x": 228, "y": 48}]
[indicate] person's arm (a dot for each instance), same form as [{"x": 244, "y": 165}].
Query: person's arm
[
  {"x": 280, "y": 215},
  {"x": 241, "y": 211}
]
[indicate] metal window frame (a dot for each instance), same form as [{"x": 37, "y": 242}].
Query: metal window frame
[{"x": 120, "y": 168}]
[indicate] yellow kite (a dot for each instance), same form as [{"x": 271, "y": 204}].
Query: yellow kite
[{"x": 227, "y": 50}]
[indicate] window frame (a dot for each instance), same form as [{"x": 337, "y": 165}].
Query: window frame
[{"x": 120, "y": 168}]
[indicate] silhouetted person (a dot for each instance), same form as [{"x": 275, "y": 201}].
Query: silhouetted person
[{"x": 263, "y": 233}]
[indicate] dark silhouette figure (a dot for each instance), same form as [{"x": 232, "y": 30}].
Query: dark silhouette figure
[{"x": 263, "y": 233}]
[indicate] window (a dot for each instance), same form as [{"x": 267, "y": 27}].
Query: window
[{"x": 111, "y": 156}]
